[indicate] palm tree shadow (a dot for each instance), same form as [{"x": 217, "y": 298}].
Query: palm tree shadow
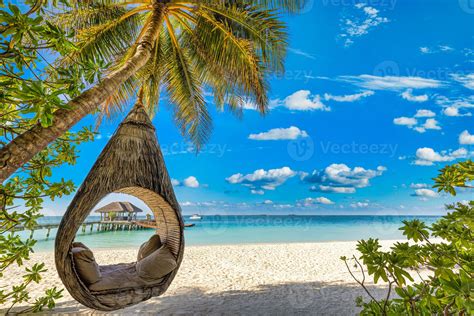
[{"x": 314, "y": 298}]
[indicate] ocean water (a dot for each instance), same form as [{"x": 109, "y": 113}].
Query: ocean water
[{"x": 212, "y": 230}]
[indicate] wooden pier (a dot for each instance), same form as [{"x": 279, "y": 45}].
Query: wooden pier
[
  {"x": 152, "y": 224},
  {"x": 100, "y": 226}
]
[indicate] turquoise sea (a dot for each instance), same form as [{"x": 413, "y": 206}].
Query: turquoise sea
[{"x": 217, "y": 229}]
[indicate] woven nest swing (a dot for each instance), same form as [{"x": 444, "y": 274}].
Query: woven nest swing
[{"x": 131, "y": 163}]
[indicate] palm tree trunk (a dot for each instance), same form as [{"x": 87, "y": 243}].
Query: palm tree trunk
[{"x": 25, "y": 146}]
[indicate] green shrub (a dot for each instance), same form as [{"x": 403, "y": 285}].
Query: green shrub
[{"x": 449, "y": 287}]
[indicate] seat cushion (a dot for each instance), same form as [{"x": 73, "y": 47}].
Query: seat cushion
[
  {"x": 119, "y": 276},
  {"x": 147, "y": 248},
  {"x": 85, "y": 265},
  {"x": 156, "y": 265},
  {"x": 78, "y": 244}
]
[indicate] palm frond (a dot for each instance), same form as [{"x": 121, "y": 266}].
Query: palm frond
[
  {"x": 118, "y": 101},
  {"x": 152, "y": 75},
  {"x": 235, "y": 55},
  {"x": 185, "y": 91},
  {"x": 108, "y": 40},
  {"x": 291, "y": 6},
  {"x": 260, "y": 26}
]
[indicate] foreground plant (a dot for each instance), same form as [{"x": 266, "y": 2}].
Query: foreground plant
[
  {"x": 29, "y": 96},
  {"x": 449, "y": 287}
]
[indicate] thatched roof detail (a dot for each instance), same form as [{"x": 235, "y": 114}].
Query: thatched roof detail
[{"x": 119, "y": 207}]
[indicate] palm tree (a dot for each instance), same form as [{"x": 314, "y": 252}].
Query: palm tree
[{"x": 182, "y": 46}]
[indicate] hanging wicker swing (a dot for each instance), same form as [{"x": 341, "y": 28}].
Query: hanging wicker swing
[{"x": 131, "y": 163}]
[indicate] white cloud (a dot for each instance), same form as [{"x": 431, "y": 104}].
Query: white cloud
[
  {"x": 360, "y": 22},
  {"x": 391, "y": 82},
  {"x": 249, "y": 105},
  {"x": 431, "y": 123},
  {"x": 408, "y": 95},
  {"x": 302, "y": 100},
  {"x": 466, "y": 80},
  {"x": 339, "y": 178},
  {"x": 437, "y": 49},
  {"x": 301, "y": 53},
  {"x": 324, "y": 200},
  {"x": 268, "y": 202},
  {"x": 418, "y": 185},
  {"x": 191, "y": 182},
  {"x": 453, "y": 106},
  {"x": 445, "y": 48},
  {"x": 262, "y": 179},
  {"x": 427, "y": 193},
  {"x": 175, "y": 182},
  {"x": 290, "y": 133},
  {"x": 465, "y": 138},
  {"x": 357, "y": 177},
  {"x": 320, "y": 200},
  {"x": 428, "y": 156},
  {"x": 330, "y": 189},
  {"x": 425, "y": 50},
  {"x": 257, "y": 192},
  {"x": 425, "y": 113},
  {"x": 454, "y": 111},
  {"x": 349, "y": 97},
  {"x": 405, "y": 121},
  {"x": 413, "y": 123},
  {"x": 359, "y": 205}
]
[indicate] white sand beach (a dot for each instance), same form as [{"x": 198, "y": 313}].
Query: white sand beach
[{"x": 259, "y": 279}]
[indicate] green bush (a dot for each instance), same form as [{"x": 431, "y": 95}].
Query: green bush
[
  {"x": 449, "y": 287},
  {"x": 31, "y": 90}
]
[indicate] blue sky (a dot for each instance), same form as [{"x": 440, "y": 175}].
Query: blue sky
[{"x": 376, "y": 98}]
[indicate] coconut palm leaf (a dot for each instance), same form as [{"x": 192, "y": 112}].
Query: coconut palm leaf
[
  {"x": 226, "y": 46},
  {"x": 185, "y": 90}
]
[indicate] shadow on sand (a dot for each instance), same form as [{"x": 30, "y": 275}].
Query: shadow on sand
[{"x": 316, "y": 298}]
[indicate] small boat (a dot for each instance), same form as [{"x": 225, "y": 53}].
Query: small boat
[
  {"x": 189, "y": 225},
  {"x": 195, "y": 217}
]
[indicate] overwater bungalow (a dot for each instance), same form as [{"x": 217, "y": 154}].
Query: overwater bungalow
[{"x": 118, "y": 212}]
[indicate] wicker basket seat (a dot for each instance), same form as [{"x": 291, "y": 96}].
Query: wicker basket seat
[{"x": 130, "y": 163}]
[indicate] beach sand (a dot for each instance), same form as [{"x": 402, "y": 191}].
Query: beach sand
[{"x": 258, "y": 279}]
